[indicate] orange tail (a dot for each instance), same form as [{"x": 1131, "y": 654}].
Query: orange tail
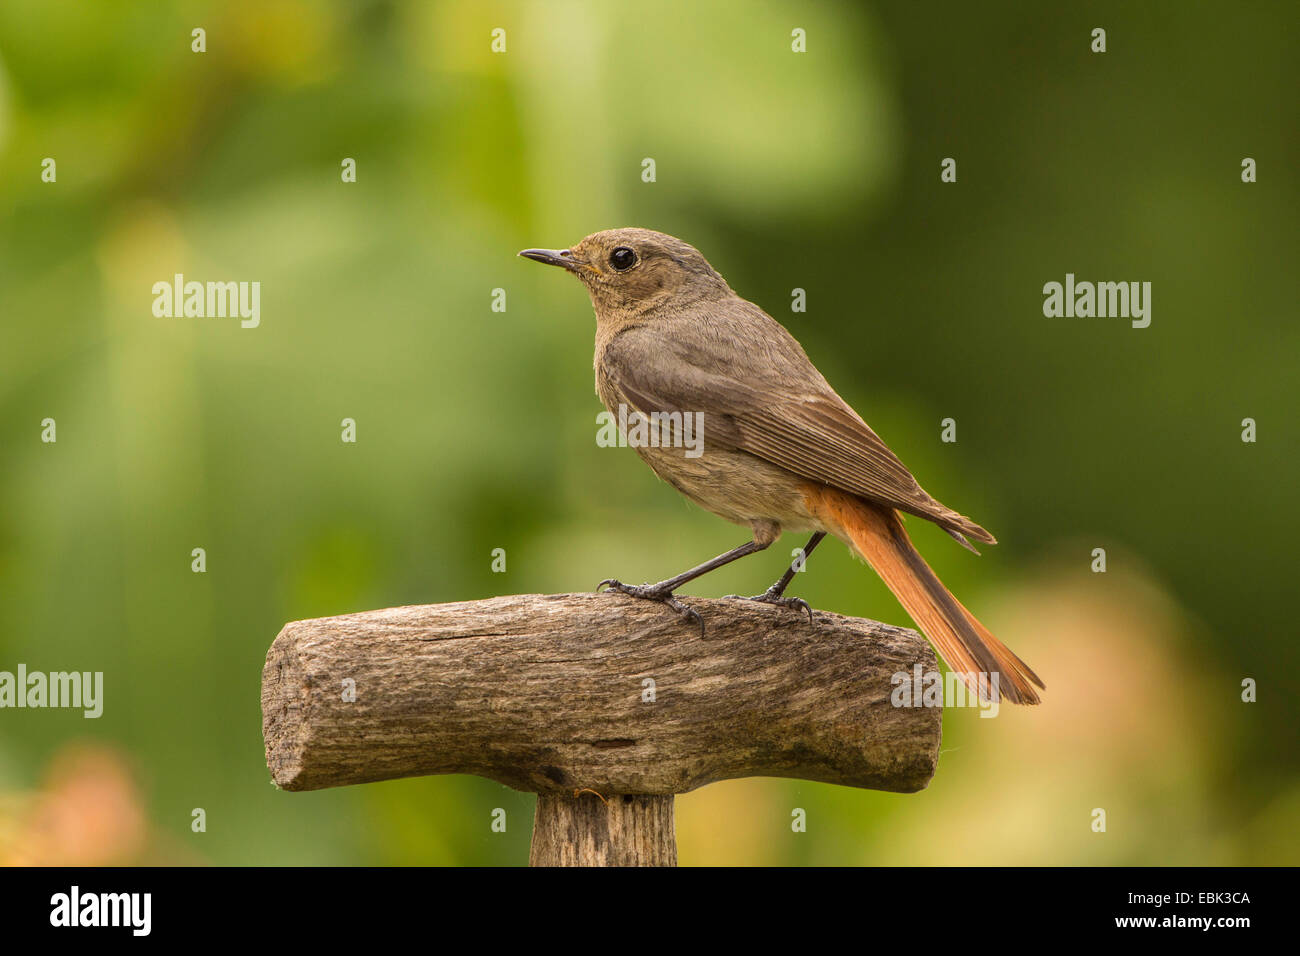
[{"x": 878, "y": 536}]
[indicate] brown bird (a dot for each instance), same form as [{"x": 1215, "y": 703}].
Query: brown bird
[{"x": 778, "y": 450}]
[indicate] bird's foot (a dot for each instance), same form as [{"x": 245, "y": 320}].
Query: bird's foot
[
  {"x": 775, "y": 597},
  {"x": 654, "y": 592}
]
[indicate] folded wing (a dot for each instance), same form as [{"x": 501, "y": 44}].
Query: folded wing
[{"x": 772, "y": 403}]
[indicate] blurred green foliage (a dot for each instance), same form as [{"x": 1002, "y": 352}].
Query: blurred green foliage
[{"x": 475, "y": 429}]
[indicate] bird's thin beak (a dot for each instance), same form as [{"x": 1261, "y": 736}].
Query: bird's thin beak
[{"x": 553, "y": 257}]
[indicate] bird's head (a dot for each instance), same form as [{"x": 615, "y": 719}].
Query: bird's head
[{"x": 636, "y": 270}]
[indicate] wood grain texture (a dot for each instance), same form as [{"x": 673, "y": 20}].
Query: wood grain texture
[
  {"x": 547, "y": 693},
  {"x": 614, "y": 830}
]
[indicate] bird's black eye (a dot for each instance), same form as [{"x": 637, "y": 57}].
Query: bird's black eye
[{"x": 622, "y": 258}]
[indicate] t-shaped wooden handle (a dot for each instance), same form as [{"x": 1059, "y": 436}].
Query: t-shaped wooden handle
[{"x": 599, "y": 703}]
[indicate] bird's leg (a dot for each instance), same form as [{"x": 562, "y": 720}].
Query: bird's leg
[
  {"x": 663, "y": 591},
  {"x": 776, "y": 593}
]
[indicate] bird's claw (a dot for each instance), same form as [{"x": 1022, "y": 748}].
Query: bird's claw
[
  {"x": 779, "y": 600},
  {"x": 652, "y": 592}
]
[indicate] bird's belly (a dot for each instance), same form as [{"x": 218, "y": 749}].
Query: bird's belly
[{"x": 735, "y": 485}]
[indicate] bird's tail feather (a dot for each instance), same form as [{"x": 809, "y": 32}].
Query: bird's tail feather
[{"x": 877, "y": 535}]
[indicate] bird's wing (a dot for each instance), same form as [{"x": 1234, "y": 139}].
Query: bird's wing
[{"x": 767, "y": 398}]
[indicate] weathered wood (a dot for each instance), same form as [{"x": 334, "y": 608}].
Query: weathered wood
[
  {"x": 597, "y": 830},
  {"x": 553, "y": 693}
]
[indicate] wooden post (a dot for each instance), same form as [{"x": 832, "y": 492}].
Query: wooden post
[
  {"x": 603, "y": 705},
  {"x": 591, "y": 830}
]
